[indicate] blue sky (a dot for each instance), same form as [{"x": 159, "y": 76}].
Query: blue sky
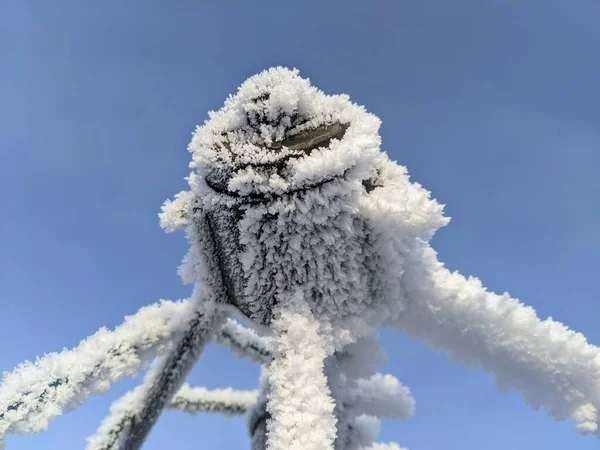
[{"x": 493, "y": 106}]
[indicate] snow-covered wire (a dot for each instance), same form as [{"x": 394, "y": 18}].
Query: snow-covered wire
[
  {"x": 34, "y": 393},
  {"x": 244, "y": 342},
  {"x": 228, "y": 402},
  {"x": 133, "y": 416},
  {"x": 114, "y": 430},
  {"x": 552, "y": 366},
  {"x": 168, "y": 374}
]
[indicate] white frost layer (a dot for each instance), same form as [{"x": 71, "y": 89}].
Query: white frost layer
[
  {"x": 551, "y": 365},
  {"x": 133, "y": 416},
  {"x": 114, "y": 429},
  {"x": 228, "y": 402},
  {"x": 299, "y": 400},
  {"x": 382, "y": 396},
  {"x": 244, "y": 342},
  {"x": 34, "y": 393}
]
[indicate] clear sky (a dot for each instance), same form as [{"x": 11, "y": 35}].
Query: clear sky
[{"x": 492, "y": 105}]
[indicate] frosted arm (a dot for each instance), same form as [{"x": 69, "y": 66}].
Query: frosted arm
[
  {"x": 133, "y": 416},
  {"x": 228, "y": 402},
  {"x": 299, "y": 400},
  {"x": 171, "y": 371},
  {"x": 244, "y": 342},
  {"x": 551, "y": 365},
  {"x": 113, "y": 430},
  {"x": 34, "y": 393}
]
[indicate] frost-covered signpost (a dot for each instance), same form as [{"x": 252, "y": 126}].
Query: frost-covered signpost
[{"x": 300, "y": 225}]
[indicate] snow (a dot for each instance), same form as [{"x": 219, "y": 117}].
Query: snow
[
  {"x": 115, "y": 429},
  {"x": 257, "y": 415}
]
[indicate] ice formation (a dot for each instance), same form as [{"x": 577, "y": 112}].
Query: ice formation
[{"x": 302, "y": 226}]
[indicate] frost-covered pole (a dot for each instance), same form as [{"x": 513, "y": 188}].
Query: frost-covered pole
[
  {"x": 278, "y": 198},
  {"x": 262, "y": 268}
]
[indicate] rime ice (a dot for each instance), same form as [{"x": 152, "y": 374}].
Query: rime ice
[
  {"x": 293, "y": 191},
  {"x": 300, "y": 224}
]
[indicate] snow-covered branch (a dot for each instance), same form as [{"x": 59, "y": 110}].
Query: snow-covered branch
[
  {"x": 551, "y": 365},
  {"x": 35, "y": 393},
  {"x": 228, "y": 402}
]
